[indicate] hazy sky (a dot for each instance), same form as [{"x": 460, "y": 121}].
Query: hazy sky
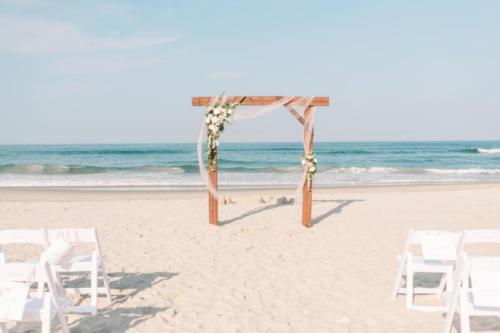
[{"x": 125, "y": 71}]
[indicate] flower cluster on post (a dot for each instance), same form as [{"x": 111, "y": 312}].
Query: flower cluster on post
[
  {"x": 217, "y": 115},
  {"x": 309, "y": 161}
]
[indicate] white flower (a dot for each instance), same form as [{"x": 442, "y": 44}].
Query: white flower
[
  {"x": 207, "y": 120},
  {"x": 215, "y": 120},
  {"x": 217, "y": 111},
  {"x": 312, "y": 169},
  {"x": 230, "y": 111},
  {"x": 303, "y": 162},
  {"x": 315, "y": 160},
  {"x": 212, "y": 128}
]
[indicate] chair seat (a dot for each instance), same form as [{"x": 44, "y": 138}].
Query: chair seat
[
  {"x": 429, "y": 266},
  {"x": 33, "y": 308},
  {"x": 77, "y": 264},
  {"x": 475, "y": 310},
  {"x": 80, "y": 259}
]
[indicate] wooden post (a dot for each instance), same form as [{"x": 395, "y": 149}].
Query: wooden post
[
  {"x": 307, "y": 190},
  {"x": 213, "y": 203}
]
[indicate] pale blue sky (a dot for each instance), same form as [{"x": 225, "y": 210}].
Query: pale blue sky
[{"x": 124, "y": 71}]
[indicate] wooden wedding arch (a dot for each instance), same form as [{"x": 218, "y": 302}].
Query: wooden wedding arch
[{"x": 213, "y": 205}]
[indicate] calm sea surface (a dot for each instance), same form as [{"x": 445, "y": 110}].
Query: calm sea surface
[{"x": 248, "y": 164}]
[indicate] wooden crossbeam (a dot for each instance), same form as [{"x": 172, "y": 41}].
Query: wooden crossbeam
[
  {"x": 296, "y": 114},
  {"x": 260, "y": 100}
]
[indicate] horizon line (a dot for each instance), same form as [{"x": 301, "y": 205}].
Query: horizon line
[{"x": 245, "y": 142}]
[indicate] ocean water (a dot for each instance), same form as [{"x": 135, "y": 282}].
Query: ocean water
[{"x": 174, "y": 166}]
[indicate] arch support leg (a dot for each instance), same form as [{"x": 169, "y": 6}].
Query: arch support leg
[
  {"x": 213, "y": 203},
  {"x": 308, "y": 148}
]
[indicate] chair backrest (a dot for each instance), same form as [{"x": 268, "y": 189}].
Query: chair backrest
[
  {"x": 481, "y": 236},
  {"x": 72, "y": 235},
  {"x": 26, "y": 236},
  {"x": 75, "y": 235},
  {"x": 22, "y": 236},
  {"x": 485, "y": 286},
  {"x": 435, "y": 244},
  {"x": 418, "y": 236},
  {"x": 482, "y": 275}
]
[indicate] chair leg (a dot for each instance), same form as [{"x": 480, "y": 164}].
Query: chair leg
[
  {"x": 105, "y": 280},
  {"x": 443, "y": 284},
  {"x": 449, "y": 281},
  {"x": 46, "y": 313},
  {"x": 446, "y": 282},
  {"x": 409, "y": 288},
  {"x": 64, "y": 322},
  {"x": 464, "y": 313},
  {"x": 399, "y": 277},
  {"x": 93, "y": 283}
]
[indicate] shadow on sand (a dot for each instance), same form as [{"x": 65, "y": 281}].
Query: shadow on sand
[
  {"x": 116, "y": 318},
  {"x": 253, "y": 212},
  {"x": 479, "y": 324},
  {"x": 335, "y": 210}
]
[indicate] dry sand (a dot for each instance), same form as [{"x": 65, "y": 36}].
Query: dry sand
[{"x": 261, "y": 271}]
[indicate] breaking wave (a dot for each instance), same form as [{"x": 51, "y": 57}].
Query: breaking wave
[
  {"x": 488, "y": 150},
  {"x": 62, "y": 169}
]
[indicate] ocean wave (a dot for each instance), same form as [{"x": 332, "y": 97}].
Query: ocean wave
[
  {"x": 345, "y": 152},
  {"x": 470, "y": 171},
  {"x": 61, "y": 169},
  {"x": 488, "y": 150},
  {"x": 358, "y": 170},
  {"x": 413, "y": 171},
  {"x": 261, "y": 170},
  {"x": 464, "y": 150}
]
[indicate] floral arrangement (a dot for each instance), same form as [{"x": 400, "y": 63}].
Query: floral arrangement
[
  {"x": 309, "y": 161},
  {"x": 218, "y": 114}
]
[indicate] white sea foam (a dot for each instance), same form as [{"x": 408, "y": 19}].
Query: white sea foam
[
  {"x": 470, "y": 171},
  {"x": 172, "y": 170},
  {"x": 357, "y": 170},
  {"x": 177, "y": 179},
  {"x": 488, "y": 150}
]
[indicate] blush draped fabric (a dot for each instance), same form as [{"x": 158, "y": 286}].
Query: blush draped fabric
[{"x": 247, "y": 113}]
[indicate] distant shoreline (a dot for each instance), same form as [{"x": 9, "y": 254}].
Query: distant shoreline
[{"x": 35, "y": 194}]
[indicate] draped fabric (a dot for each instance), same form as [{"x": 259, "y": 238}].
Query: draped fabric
[{"x": 246, "y": 113}]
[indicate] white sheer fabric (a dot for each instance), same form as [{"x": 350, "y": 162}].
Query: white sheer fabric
[{"x": 246, "y": 113}]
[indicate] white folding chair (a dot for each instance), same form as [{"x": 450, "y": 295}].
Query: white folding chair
[
  {"x": 52, "y": 304},
  {"x": 22, "y": 236},
  {"x": 476, "y": 292},
  {"x": 476, "y": 289},
  {"x": 46, "y": 305},
  {"x": 439, "y": 253},
  {"x": 93, "y": 263}
]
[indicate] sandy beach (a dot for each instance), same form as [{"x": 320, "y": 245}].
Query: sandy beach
[{"x": 261, "y": 270}]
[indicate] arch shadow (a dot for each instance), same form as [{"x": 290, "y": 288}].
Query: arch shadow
[{"x": 335, "y": 210}]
